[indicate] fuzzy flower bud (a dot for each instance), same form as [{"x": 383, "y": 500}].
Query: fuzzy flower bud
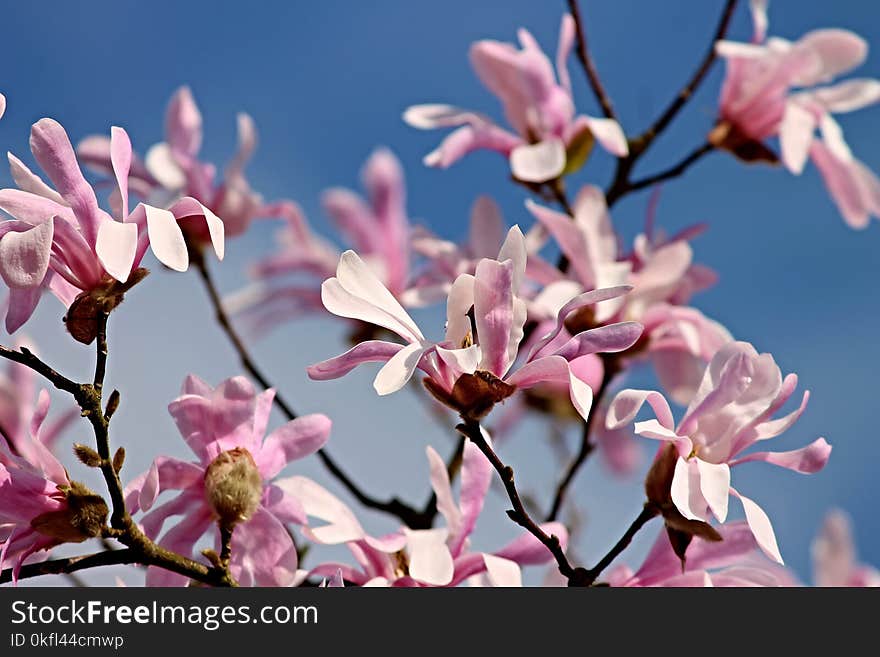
[{"x": 233, "y": 486}]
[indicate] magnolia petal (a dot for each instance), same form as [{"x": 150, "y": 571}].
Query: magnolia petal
[
  {"x": 429, "y": 559},
  {"x": 715, "y": 486},
  {"x": 120, "y": 158},
  {"x": 686, "y": 493},
  {"x": 116, "y": 248},
  {"x": 761, "y": 527},
  {"x": 609, "y": 134},
  {"x": 806, "y": 460},
  {"x": 365, "y": 352},
  {"x": 795, "y": 136},
  {"x": 293, "y": 441},
  {"x": 24, "y": 256},
  {"x": 398, "y": 370},
  {"x": 627, "y": 404},
  {"x": 20, "y": 306},
  {"x": 164, "y": 168},
  {"x": 446, "y": 505},
  {"x": 502, "y": 572},
  {"x": 166, "y": 238},
  {"x": 538, "y": 162}
]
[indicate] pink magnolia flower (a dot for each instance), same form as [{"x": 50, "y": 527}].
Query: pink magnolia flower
[
  {"x": 677, "y": 339},
  {"x": 549, "y": 140},
  {"x": 59, "y": 238},
  {"x": 732, "y": 562},
  {"x": 834, "y": 555},
  {"x": 40, "y": 507},
  {"x": 172, "y": 171},
  {"x": 757, "y": 103},
  {"x": 377, "y": 227},
  {"x": 426, "y": 557},
  {"x": 732, "y": 410},
  {"x": 230, "y": 482},
  {"x": 472, "y": 369}
]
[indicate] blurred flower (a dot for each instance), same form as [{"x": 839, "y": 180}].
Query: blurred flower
[
  {"x": 757, "y": 102},
  {"x": 549, "y": 140},
  {"x": 834, "y": 555}
]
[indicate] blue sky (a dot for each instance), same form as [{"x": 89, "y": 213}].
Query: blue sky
[{"x": 327, "y": 82}]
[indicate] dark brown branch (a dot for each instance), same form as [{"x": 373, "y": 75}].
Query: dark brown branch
[
  {"x": 518, "y": 514},
  {"x": 73, "y": 564},
  {"x": 638, "y": 146},
  {"x": 583, "y": 55},
  {"x": 394, "y": 506},
  {"x": 688, "y": 90},
  {"x": 648, "y": 512},
  {"x": 672, "y": 172},
  {"x": 28, "y": 359}
]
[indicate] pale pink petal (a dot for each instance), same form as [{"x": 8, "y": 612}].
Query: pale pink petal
[
  {"x": 610, "y": 338},
  {"x": 116, "y": 247},
  {"x": 526, "y": 550},
  {"x": 166, "y": 238},
  {"x": 263, "y": 553},
  {"x": 295, "y": 440},
  {"x": 486, "y": 228},
  {"x": 715, "y": 486},
  {"x": 318, "y": 502},
  {"x": 398, "y": 370},
  {"x": 365, "y": 352},
  {"x": 627, "y": 403},
  {"x": 806, "y": 460},
  {"x": 563, "y": 50},
  {"x": 502, "y": 572},
  {"x": 446, "y": 505},
  {"x": 429, "y": 558},
  {"x": 476, "y": 475},
  {"x": 795, "y": 136},
  {"x": 183, "y": 123},
  {"x": 20, "y": 306},
  {"x": 609, "y": 134},
  {"x": 686, "y": 491},
  {"x": 27, "y": 181},
  {"x": 760, "y": 526},
  {"x": 54, "y": 153},
  {"x": 120, "y": 158},
  {"x": 469, "y": 138},
  {"x": 32, "y": 208},
  {"x": 848, "y": 95},
  {"x": 538, "y": 162},
  {"x": 162, "y": 166},
  {"x": 837, "y": 52},
  {"x": 493, "y": 311},
  {"x": 188, "y": 207},
  {"x": 24, "y": 256}
]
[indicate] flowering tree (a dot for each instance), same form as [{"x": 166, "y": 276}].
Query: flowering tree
[{"x": 545, "y": 319}]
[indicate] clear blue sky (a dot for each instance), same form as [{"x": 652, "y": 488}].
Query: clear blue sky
[{"x": 327, "y": 82}]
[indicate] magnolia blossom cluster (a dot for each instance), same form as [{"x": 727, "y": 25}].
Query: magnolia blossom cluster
[{"x": 546, "y": 316}]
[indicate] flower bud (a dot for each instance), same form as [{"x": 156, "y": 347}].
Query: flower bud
[
  {"x": 84, "y": 516},
  {"x": 233, "y": 486}
]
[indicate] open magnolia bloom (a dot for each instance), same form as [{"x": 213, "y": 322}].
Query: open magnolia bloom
[
  {"x": 172, "y": 171},
  {"x": 40, "y": 507},
  {"x": 758, "y": 102},
  {"x": 59, "y": 238},
  {"x": 230, "y": 484},
  {"x": 377, "y": 227},
  {"x": 426, "y": 557},
  {"x": 734, "y": 561},
  {"x": 732, "y": 411},
  {"x": 472, "y": 369},
  {"x": 678, "y": 340},
  {"x": 834, "y": 555},
  {"x": 549, "y": 140}
]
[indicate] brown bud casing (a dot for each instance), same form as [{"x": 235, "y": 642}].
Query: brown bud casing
[{"x": 233, "y": 486}]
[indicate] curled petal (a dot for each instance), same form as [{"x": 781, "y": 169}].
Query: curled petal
[{"x": 365, "y": 352}]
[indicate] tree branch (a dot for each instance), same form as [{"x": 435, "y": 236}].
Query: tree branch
[
  {"x": 672, "y": 172},
  {"x": 583, "y": 54},
  {"x": 648, "y": 512},
  {"x": 471, "y": 429}
]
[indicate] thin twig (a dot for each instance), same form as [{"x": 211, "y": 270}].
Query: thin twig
[
  {"x": 583, "y": 54},
  {"x": 404, "y": 512},
  {"x": 639, "y": 145},
  {"x": 648, "y": 512},
  {"x": 673, "y": 171},
  {"x": 688, "y": 90},
  {"x": 518, "y": 514}
]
